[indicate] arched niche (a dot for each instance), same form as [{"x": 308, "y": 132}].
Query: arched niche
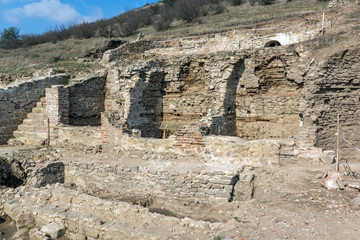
[{"x": 272, "y": 43}]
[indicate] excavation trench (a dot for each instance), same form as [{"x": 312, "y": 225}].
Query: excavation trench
[{"x": 170, "y": 208}]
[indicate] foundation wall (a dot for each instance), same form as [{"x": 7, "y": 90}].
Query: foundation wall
[{"x": 139, "y": 181}]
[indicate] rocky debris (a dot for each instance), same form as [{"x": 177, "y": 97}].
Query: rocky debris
[
  {"x": 54, "y": 230},
  {"x": 356, "y": 201},
  {"x": 83, "y": 215},
  {"x": 12, "y": 173},
  {"x": 50, "y": 174},
  {"x": 333, "y": 180},
  {"x": 129, "y": 48},
  {"x": 98, "y": 52}
]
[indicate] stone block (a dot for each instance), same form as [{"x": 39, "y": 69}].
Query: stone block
[{"x": 54, "y": 229}]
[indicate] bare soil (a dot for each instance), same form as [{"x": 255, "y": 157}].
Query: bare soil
[{"x": 7, "y": 228}]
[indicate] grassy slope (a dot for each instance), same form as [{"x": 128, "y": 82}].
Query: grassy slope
[{"x": 42, "y": 56}]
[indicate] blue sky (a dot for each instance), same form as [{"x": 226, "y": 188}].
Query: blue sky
[{"x": 38, "y": 16}]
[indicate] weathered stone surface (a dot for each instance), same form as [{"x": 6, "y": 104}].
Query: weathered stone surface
[
  {"x": 50, "y": 174},
  {"x": 54, "y": 229},
  {"x": 356, "y": 201}
]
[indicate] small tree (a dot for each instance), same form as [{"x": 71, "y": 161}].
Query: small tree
[{"x": 10, "y": 38}]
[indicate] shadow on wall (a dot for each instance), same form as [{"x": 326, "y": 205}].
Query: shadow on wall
[
  {"x": 146, "y": 107},
  {"x": 87, "y": 102},
  {"x": 226, "y": 125}
]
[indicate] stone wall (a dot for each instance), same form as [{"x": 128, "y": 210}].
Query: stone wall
[
  {"x": 142, "y": 181},
  {"x": 267, "y": 102},
  {"x": 17, "y": 101},
  {"x": 88, "y": 138},
  {"x": 332, "y": 86},
  {"x": 134, "y": 98},
  {"x": 87, "y": 102}
]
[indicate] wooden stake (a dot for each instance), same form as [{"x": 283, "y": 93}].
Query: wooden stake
[
  {"x": 48, "y": 131},
  {"x": 338, "y": 142},
  {"x": 323, "y": 24}
]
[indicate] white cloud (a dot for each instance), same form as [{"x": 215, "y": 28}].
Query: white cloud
[
  {"x": 52, "y": 10},
  {"x": 96, "y": 14}
]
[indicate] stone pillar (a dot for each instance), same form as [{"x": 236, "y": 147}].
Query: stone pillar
[{"x": 57, "y": 105}]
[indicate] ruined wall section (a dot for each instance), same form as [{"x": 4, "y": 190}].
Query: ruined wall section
[
  {"x": 17, "y": 101},
  {"x": 267, "y": 103},
  {"x": 203, "y": 88},
  {"x": 87, "y": 102},
  {"x": 134, "y": 98},
  {"x": 332, "y": 86}
]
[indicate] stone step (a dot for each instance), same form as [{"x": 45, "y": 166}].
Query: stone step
[
  {"x": 43, "y": 99},
  {"x": 15, "y": 142},
  {"x": 30, "y": 135},
  {"x": 41, "y": 104},
  {"x": 31, "y": 128},
  {"x": 35, "y": 122},
  {"x": 36, "y": 116},
  {"x": 26, "y": 141},
  {"x": 39, "y": 110}
]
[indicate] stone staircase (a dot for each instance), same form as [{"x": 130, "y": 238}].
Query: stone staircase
[{"x": 33, "y": 129}]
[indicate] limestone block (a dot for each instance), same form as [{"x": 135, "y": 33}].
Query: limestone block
[
  {"x": 54, "y": 229},
  {"x": 244, "y": 188},
  {"x": 36, "y": 234}
]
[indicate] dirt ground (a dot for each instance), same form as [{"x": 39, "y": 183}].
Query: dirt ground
[{"x": 7, "y": 228}]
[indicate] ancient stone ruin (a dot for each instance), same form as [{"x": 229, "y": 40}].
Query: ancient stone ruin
[{"x": 178, "y": 134}]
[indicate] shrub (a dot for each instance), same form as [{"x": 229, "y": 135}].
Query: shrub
[
  {"x": 160, "y": 24},
  {"x": 237, "y": 2},
  {"x": 188, "y": 10},
  {"x": 10, "y": 38}
]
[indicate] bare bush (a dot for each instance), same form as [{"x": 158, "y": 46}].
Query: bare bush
[
  {"x": 160, "y": 24},
  {"x": 237, "y": 2},
  {"x": 188, "y": 10}
]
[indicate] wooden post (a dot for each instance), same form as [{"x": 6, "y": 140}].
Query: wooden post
[
  {"x": 48, "y": 131},
  {"x": 323, "y": 24},
  {"x": 337, "y": 142}
]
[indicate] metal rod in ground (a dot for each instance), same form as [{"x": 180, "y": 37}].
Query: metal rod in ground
[{"x": 337, "y": 142}]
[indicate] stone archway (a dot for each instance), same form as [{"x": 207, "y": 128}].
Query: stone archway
[{"x": 272, "y": 43}]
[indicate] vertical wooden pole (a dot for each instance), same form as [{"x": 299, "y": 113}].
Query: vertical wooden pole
[
  {"x": 48, "y": 131},
  {"x": 323, "y": 24},
  {"x": 337, "y": 142}
]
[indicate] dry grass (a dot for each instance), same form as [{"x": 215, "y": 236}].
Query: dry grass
[
  {"x": 63, "y": 55},
  {"x": 243, "y": 16}
]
